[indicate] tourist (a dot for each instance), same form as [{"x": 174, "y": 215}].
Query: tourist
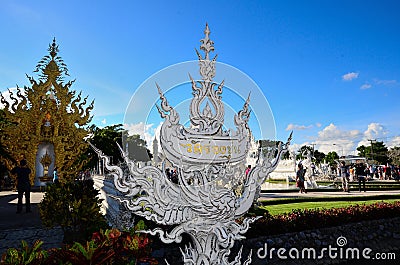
[
  {"x": 344, "y": 174},
  {"x": 313, "y": 171},
  {"x": 351, "y": 171},
  {"x": 367, "y": 171},
  {"x": 300, "y": 178},
  {"x": 396, "y": 173},
  {"x": 388, "y": 172},
  {"x": 23, "y": 185},
  {"x": 380, "y": 173},
  {"x": 371, "y": 171},
  {"x": 248, "y": 169},
  {"x": 87, "y": 176},
  {"x": 361, "y": 172},
  {"x": 55, "y": 175},
  {"x": 174, "y": 176},
  {"x": 168, "y": 173}
]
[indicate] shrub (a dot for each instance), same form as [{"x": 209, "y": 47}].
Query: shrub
[
  {"x": 25, "y": 255},
  {"x": 109, "y": 246},
  {"x": 75, "y": 207}
]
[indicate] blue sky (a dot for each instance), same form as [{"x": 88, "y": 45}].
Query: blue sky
[{"x": 330, "y": 70}]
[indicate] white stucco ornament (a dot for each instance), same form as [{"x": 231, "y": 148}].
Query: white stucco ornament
[{"x": 205, "y": 203}]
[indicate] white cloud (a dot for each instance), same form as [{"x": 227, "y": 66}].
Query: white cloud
[
  {"x": 293, "y": 147},
  {"x": 376, "y": 82},
  {"x": 332, "y": 138},
  {"x": 318, "y": 124},
  {"x": 140, "y": 129},
  {"x": 394, "y": 142},
  {"x": 374, "y": 131},
  {"x": 332, "y": 132},
  {"x": 386, "y": 82},
  {"x": 104, "y": 121},
  {"x": 350, "y": 76},
  {"x": 291, "y": 127},
  {"x": 366, "y": 86}
]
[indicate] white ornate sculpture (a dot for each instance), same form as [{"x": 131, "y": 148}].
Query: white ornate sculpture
[{"x": 210, "y": 165}]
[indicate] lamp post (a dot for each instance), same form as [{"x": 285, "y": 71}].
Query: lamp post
[{"x": 372, "y": 149}]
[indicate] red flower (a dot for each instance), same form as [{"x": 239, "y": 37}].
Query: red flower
[{"x": 114, "y": 233}]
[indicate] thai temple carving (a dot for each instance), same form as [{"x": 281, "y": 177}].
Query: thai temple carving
[
  {"x": 48, "y": 119},
  {"x": 210, "y": 163}
]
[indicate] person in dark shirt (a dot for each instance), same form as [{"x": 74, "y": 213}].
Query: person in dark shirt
[
  {"x": 361, "y": 173},
  {"x": 300, "y": 178},
  {"x": 23, "y": 185}
]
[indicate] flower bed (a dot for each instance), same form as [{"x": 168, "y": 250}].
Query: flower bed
[
  {"x": 299, "y": 220},
  {"x": 106, "y": 247},
  {"x": 116, "y": 247}
]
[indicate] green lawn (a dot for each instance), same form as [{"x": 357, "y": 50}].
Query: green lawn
[{"x": 284, "y": 208}]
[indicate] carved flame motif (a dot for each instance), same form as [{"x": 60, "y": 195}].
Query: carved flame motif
[
  {"x": 210, "y": 162},
  {"x": 48, "y": 111},
  {"x": 206, "y": 122},
  {"x": 204, "y": 151}
]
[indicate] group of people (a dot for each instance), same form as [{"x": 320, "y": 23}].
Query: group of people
[
  {"x": 84, "y": 175},
  {"x": 360, "y": 171},
  {"x": 172, "y": 175},
  {"x": 381, "y": 172},
  {"x": 385, "y": 172}
]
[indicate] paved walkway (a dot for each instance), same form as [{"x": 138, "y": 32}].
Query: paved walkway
[
  {"x": 28, "y": 226},
  {"x": 24, "y": 226}
]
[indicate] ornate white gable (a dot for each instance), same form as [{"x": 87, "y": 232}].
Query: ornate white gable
[{"x": 212, "y": 190}]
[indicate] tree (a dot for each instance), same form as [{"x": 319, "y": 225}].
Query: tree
[
  {"x": 378, "y": 152},
  {"x": 4, "y": 155},
  {"x": 286, "y": 155},
  {"x": 267, "y": 145},
  {"x": 363, "y": 150},
  {"x": 319, "y": 156},
  {"x": 303, "y": 152},
  {"x": 394, "y": 155},
  {"x": 331, "y": 157},
  {"x": 75, "y": 206},
  {"x": 3, "y": 152},
  {"x": 137, "y": 148},
  {"x": 106, "y": 140}
]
